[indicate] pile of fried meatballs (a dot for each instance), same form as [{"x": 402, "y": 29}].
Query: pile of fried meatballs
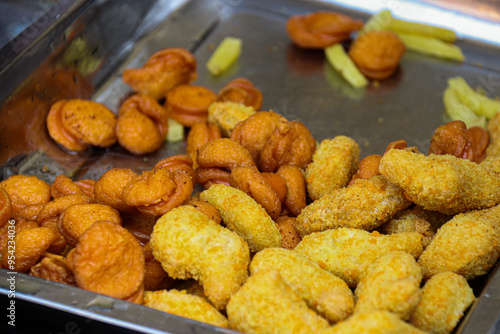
[{"x": 287, "y": 235}]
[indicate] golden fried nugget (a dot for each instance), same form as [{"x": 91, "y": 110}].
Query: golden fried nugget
[
  {"x": 377, "y": 53},
  {"x": 29, "y": 245},
  {"x": 366, "y": 204},
  {"x": 333, "y": 164},
  {"x": 185, "y": 305},
  {"x": 164, "y": 70},
  {"x": 108, "y": 189},
  {"x": 108, "y": 260},
  {"x": 77, "y": 218},
  {"x": 322, "y": 291},
  {"x": 190, "y": 245},
  {"x": 5, "y": 207},
  {"x": 253, "y": 183},
  {"x": 392, "y": 283},
  {"x": 63, "y": 186},
  {"x": 241, "y": 214},
  {"x": 442, "y": 183},
  {"x": 348, "y": 252},
  {"x": 410, "y": 221},
  {"x": 376, "y": 322},
  {"x": 157, "y": 192},
  {"x": 466, "y": 245},
  {"x": 266, "y": 304},
  {"x": 227, "y": 114},
  {"x": 25, "y": 190},
  {"x": 289, "y": 235},
  {"x": 445, "y": 297},
  {"x": 53, "y": 267}
]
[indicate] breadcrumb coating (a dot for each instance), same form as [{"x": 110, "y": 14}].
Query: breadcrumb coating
[
  {"x": 266, "y": 304},
  {"x": 348, "y": 252},
  {"x": 333, "y": 164},
  {"x": 442, "y": 183},
  {"x": 241, "y": 214},
  {"x": 445, "y": 297},
  {"x": 190, "y": 245},
  {"x": 366, "y": 204},
  {"x": 323, "y": 292},
  {"x": 468, "y": 245},
  {"x": 185, "y": 305}
]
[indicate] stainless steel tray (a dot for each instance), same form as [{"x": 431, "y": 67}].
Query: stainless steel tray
[{"x": 82, "y": 55}]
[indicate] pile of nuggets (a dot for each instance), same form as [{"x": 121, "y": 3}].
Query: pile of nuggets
[{"x": 286, "y": 235}]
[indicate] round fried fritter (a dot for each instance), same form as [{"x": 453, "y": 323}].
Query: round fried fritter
[
  {"x": 5, "y": 207},
  {"x": 224, "y": 153},
  {"x": 241, "y": 90},
  {"x": 26, "y": 190},
  {"x": 63, "y": 186},
  {"x": 109, "y": 188}
]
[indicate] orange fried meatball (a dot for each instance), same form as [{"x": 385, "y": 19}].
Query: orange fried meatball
[
  {"x": 26, "y": 190},
  {"x": 206, "y": 208},
  {"x": 159, "y": 191},
  {"x": 241, "y": 90},
  {"x": 5, "y": 207},
  {"x": 377, "y": 53},
  {"x": 199, "y": 135},
  {"x": 163, "y": 71},
  {"x": 211, "y": 176},
  {"x": 140, "y": 225},
  {"x": 188, "y": 104},
  {"x": 295, "y": 199},
  {"x": 108, "y": 260},
  {"x": 142, "y": 124},
  {"x": 109, "y": 188},
  {"x": 250, "y": 181},
  {"x": 294, "y": 147},
  {"x": 289, "y": 235},
  {"x": 177, "y": 162},
  {"x": 53, "y": 268},
  {"x": 78, "y": 124},
  {"x": 321, "y": 29},
  {"x": 76, "y": 219},
  {"x": 224, "y": 153},
  {"x": 30, "y": 244},
  {"x": 63, "y": 186}
]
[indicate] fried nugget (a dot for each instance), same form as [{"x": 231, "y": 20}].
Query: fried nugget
[
  {"x": 227, "y": 114},
  {"x": 376, "y": 322},
  {"x": 442, "y": 183},
  {"x": 333, "y": 164},
  {"x": 392, "y": 284},
  {"x": 366, "y": 204},
  {"x": 467, "y": 245},
  {"x": 322, "y": 291},
  {"x": 445, "y": 297},
  {"x": 241, "y": 214},
  {"x": 190, "y": 245},
  {"x": 185, "y": 305},
  {"x": 348, "y": 252},
  {"x": 25, "y": 190},
  {"x": 266, "y": 304}
]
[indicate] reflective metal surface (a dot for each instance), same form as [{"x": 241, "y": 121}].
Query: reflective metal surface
[{"x": 84, "y": 54}]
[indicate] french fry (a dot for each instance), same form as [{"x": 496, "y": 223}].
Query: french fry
[
  {"x": 379, "y": 21},
  {"x": 477, "y": 102},
  {"x": 432, "y": 46},
  {"x": 339, "y": 59},
  {"x": 175, "y": 131},
  {"x": 408, "y": 27},
  {"x": 225, "y": 55},
  {"x": 455, "y": 110}
]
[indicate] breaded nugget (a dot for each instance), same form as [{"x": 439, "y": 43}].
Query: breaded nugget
[
  {"x": 333, "y": 164},
  {"x": 241, "y": 214},
  {"x": 322, "y": 291},
  {"x": 376, "y": 322},
  {"x": 410, "y": 221},
  {"x": 227, "y": 114},
  {"x": 392, "y": 284},
  {"x": 348, "y": 252},
  {"x": 185, "y": 305},
  {"x": 467, "y": 245},
  {"x": 445, "y": 297},
  {"x": 366, "y": 204},
  {"x": 266, "y": 304},
  {"x": 442, "y": 183},
  {"x": 190, "y": 245}
]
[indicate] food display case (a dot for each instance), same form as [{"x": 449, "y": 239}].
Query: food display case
[{"x": 78, "y": 49}]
